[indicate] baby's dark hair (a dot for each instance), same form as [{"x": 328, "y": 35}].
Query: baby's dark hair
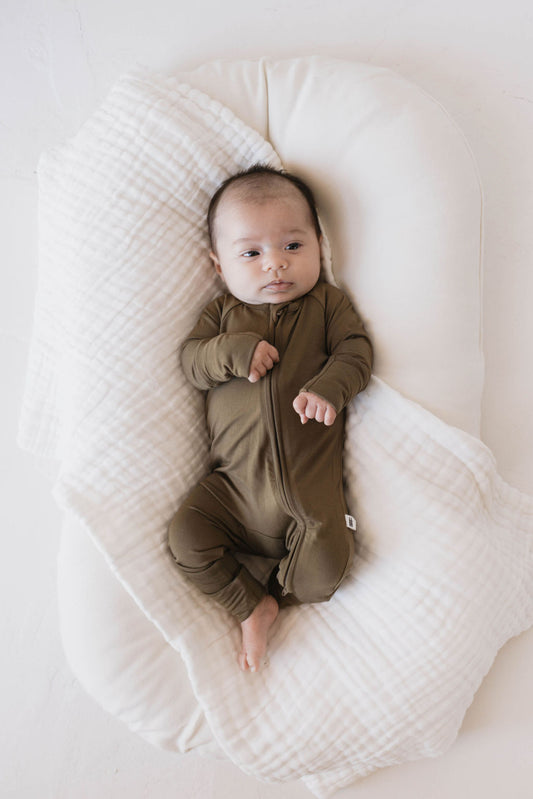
[{"x": 255, "y": 175}]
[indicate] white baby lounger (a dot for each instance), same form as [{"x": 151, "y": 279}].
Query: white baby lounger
[{"x": 443, "y": 577}]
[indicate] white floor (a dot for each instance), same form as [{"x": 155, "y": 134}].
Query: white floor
[{"x": 58, "y": 58}]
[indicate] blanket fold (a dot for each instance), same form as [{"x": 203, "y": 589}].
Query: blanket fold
[{"x": 385, "y": 671}]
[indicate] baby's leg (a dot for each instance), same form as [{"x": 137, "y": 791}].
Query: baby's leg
[
  {"x": 319, "y": 558},
  {"x": 213, "y": 524},
  {"x": 255, "y": 631},
  {"x": 203, "y": 535}
]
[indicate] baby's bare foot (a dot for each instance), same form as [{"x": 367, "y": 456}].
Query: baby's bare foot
[{"x": 255, "y": 633}]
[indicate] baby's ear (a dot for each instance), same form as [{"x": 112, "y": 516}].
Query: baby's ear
[{"x": 216, "y": 264}]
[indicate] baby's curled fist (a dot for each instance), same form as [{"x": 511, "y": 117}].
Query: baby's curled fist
[
  {"x": 311, "y": 406},
  {"x": 263, "y": 359},
  {"x": 307, "y": 405}
]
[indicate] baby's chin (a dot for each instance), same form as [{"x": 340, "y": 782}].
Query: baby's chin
[
  {"x": 275, "y": 297},
  {"x": 275, "y": 294},
  {"x": 281, "y": 290}
]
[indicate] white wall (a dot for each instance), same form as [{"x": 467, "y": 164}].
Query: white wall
[{"x": 57, "y": 59}]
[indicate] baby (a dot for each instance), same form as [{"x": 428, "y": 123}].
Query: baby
[{"x": 280, "y": 349}]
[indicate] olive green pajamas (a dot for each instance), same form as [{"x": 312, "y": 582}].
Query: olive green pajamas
[{"x": 275, "y": 488}]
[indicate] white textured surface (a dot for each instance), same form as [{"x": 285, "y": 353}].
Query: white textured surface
[
  {"x": 445, "y": 575},
  {"x": 59, "y": 58}
]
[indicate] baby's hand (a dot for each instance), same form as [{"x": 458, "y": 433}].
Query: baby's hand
[
  {"x": 263, "y": 359},
  {"x": 311, "y": 406}
]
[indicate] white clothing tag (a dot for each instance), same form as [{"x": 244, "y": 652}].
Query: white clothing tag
[{"x": 350, "y": 522}]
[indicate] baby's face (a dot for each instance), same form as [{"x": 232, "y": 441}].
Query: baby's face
[{"x": 267, "y": 249}]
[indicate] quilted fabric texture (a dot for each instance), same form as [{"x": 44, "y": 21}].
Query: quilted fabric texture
[{"x": 385, "y": 671}]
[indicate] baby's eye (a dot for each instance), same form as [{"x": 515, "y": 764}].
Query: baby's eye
[
  {"x": 250, "y": 253},
  {"x": 294, "y": 245}
]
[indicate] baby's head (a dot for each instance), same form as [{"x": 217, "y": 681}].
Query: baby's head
[{"x": 265, "y": 236}]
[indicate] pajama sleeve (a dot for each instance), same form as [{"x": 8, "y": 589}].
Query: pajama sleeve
[
  {"x": 209, "y": 357},
  {"x": 349, "y": 366}
]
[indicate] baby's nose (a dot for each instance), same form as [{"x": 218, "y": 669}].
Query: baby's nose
[{"x": 275, "y": 261}]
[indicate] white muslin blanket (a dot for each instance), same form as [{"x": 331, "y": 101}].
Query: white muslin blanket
[{"x": 385, "y": 671}]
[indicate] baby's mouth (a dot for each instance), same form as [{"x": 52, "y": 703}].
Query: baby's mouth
[{"x": 278, "y": 285}]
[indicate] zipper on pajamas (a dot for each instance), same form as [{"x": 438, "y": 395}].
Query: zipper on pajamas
[{"x": 274, "y": 431}]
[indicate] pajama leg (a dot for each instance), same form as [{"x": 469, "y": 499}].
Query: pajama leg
[
  {"x": 319, "y": 558},
  {"x": 202, "y": 538}
]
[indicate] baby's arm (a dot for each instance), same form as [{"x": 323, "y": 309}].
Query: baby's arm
[
  {"x": 348, "y": 368},
  {"x": 209, "y": 357}
]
